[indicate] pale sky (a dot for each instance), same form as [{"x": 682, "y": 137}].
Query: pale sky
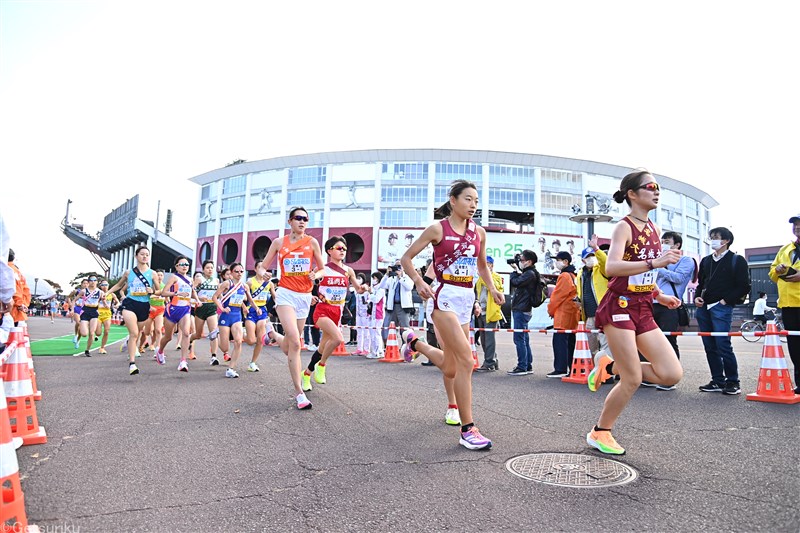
[{"x": 103, "y": 100}]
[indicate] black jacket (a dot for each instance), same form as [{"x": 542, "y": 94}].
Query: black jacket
[
  {"x": 723, "y": 279},
  {"x": 523, "y": 283}
]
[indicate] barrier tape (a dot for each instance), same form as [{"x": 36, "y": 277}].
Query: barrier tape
[{"x": 7, "y": 352}]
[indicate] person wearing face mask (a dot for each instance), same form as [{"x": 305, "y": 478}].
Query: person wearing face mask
[
  {"x": 723, "y": 280},
  {"x": 523, "y": 279},
  {"x": 565, "y": 310},
  {"x": 785, "y": 271},
  {"x": 592, "y": 286}
]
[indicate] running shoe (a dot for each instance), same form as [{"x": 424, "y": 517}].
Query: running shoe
[
  {"x": 178, "y": 347},
  {"x": 599, "y": 373},
  {"x": 269, "y": 329},
  {"x": 473, "y": 440},
  {"x": 311, "y": 348},
  {"x": 213, "y": 334},
  {"x": 86, "y": 353},
  {"x": 556, "y": 374},
  {"x": 665, "y": 387},
  {"x": 408, "y": 354},
  {"x": 517, "y": 371},
  {"x": 102, "y": 351},
  {"x": 133, "y": 369},
  {"x": 226, "y": 357},
  {"x": 161, "y": 358},
  {"x": 306, "y": 382},
  {"x": 319, "y": 374},
  {"x": 302, "y": 401},
  {"x": 604, "y": 441},
  {"x": 214, "y": 361},
  {"x": 74, "y": 338},
  {"x": 732, "y": 388},
  {"x": 711, "y": 387},
  {"x": 124, "y": 345},
  {"x": 252, "y": 367},
  {"x": 183, "y": 366},
  {"x": 451, "y": 417},
  {"x": 231, "y": 373},
  {"x": 372, "y": 356},
  {"x": 76, "y": 343},
  {"x": 191, "y": 357}
]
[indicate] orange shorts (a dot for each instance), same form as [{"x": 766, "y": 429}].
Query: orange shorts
[{"x": 156, "y": 311}]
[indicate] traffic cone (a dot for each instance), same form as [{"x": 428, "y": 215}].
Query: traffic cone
[
  {"x": 474, "y": 350},
  {"x": 392, "y": 354},
  {"x": 582, "y": 362},
  {"x": 37, "y": 394},
  {"x": 19, "y": 394},
  {"x": 12, "y": 512},
  {"x": 341, "y": 349},
  {"x": 774, "y": 383}
]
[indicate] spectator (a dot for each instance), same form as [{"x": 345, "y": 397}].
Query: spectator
[
  {"x": 22, "y": 294},
  {"x": 565, "y": 310},
  {"x": 760, "y": 308},
  {"x": 399, "y": 301},
  {"x": 523, "y": 280},
  {"x": 785, "y": 271},
  {"x": 723, "y": 280},
  {"x": 592, "y": 286},
  {"x": 488, "y": 315}
]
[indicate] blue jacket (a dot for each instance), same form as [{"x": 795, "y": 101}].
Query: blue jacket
[{"x": 679, "y": 274}]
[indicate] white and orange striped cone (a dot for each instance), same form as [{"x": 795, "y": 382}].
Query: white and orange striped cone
[
  {"x": 582, "y": 362},
  {"x": 474, "y": 350},
  {"x": 12, "y": 510},
  {"x": 19, "y": 394},
  {"x": 37, "y": 394},
  {"x": 774, "y": 382},
  {"x": 392, "y": 353},
  {"x": 341, "y": 349}
]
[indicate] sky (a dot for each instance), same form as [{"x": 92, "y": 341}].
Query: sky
[{"x": 103, "y": 100}]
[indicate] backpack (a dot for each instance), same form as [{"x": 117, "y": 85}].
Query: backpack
[{"x": 538, "y": 290}]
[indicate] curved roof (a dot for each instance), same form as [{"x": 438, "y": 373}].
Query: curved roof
[{"x": 449, "y": 156}]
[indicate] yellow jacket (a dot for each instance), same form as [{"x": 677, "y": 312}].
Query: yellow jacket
[
  {"x": 599, "y": 280},
  {"x": 788, "y": 291},
  {"x": 493, "y": 312}
]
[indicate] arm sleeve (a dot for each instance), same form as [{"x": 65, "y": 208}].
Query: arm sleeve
[{"x": 683, "y": 271}]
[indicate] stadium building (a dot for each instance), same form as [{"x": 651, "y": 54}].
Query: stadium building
[{"x": 380, "y": 200}]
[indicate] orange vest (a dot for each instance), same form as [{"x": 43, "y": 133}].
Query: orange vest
[{"x": 294, "y": 264}]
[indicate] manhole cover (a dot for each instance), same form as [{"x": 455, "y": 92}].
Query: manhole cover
[{"x": 571, "y": 470}]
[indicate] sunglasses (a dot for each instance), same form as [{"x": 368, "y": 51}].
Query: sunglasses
[
  {"x": 238, "y": 271},
  {"x": 339, "y": 248},
  {"x": 92, "y": 279},
  {"x": 300, "y": 218},
  {"x": 652, "y": 186},
  {"x": 183, "y": 264}
]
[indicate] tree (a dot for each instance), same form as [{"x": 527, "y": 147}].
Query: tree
[
  {"x": 56, "y": 287},
  {"x": 76, "y": 281}
]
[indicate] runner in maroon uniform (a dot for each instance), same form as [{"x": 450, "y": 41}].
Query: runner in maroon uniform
[{"x": 626, "y": 312}]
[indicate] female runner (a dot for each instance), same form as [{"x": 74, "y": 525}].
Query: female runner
[
  {"x": 136, "y": 305},
  {"x": 626, "y": 312},
  {"x": 178, "y": 288},
  {"x": 104, "y": 314},
  {"x": 155, "y": 320},
  {"x": 334, "y": 278},
  {"x": 256, "y": 323},
  {"x": 295, "y": 253},
  {"x": 76, "y": 303},
  {"x": 92, "y": 296},
  {"x": 229, "y": 298},
  {"x": 207, "y": 312},
  {"x": 459, "y": 252}
]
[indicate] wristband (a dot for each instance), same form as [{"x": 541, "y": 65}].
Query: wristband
[{"x": 427, "y": 280}]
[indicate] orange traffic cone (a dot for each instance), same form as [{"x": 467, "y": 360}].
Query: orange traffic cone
[
  {"x": 37, "y": 394},
  {"x": 392, "y": 354},
  {"x": 19, "y": 394},
  {"x": 774, "y": 383},
  {"x": 474, "y": 350},
  {"x": 582, "y": 362},
  {"x": 340, "y": 350},
  {"x": 12, "y": 511}
]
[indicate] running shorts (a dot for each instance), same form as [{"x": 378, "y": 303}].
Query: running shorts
[
  {"x": 205, "y": 311},
  {"x": 176, "y": 312},
  {"x": 252, "y": 316},
  {"x": 229, "y": 319},
  {"x": 140, "y": 309},
  {"x": 453, "y": 299},
  {"x": 301, "y": 301},
  {"x": 104, "y": 314},
  {"x": 334, "y": 312},
  {"x": 88, "y": 314},
  {"x": 626, "y": 312},
  {"x": 156, "y": 311}
]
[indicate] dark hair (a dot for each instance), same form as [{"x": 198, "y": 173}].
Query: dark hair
[
  {"x": 178, "y": 259},
  {"x": 330, "y": 243},
  {"x": 456, "y": 188},
  {"x": 377, "y": 275},
  {"x": 233, "y": 266},
  {"x": 630, "y": 183},
  {"x": 222, "y": 272},
  {"x": 724, "y": 233},
  {"x": 140, "y": 248},
  {"x": 11, "y": 254},
  {"x": 207, "y": 261},
  {"x": 762, "y": 294},
  {"x": 530, "y": 255},
  {"x": 160, "y": 270},
  {"x": 676, "y": 238},
  {"x": 295, "y": 210},
  {"x": 362, "y": 277}
]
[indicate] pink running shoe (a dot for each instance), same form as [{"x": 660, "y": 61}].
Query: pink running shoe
[
  {"x": 408, "y": 354},
  {"x": 473, "y": 440}
]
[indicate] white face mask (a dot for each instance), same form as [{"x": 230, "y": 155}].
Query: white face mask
[
  {"x": 560, "y": 266},
  {"x": 716, "y": 244},
  {"x": 590, "y": 262}
]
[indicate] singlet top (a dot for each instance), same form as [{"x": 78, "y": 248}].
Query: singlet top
[
  {"x": 183, "y": 288},
  {"x": 260, "y": 296},
  {"x": 136, "y": 289},
  {"x": 157, "y": 301},
  {"x": 105, "y": 303},
  {"x": 91, "y": 299},
  {"x": 206, "y": 289},
  {"x": 455, "y": 258},
  {"x": 236, "y": 298},
  {"x": 645, "y": 244},
  {"x": 294, "y": 262},
  {"x": 333, "y": 286}
]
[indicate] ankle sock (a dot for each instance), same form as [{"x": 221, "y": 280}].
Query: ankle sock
[
  {"x": 598, "y": 428},
  {"x": 413, "y": 345},
  {"x": 452, "y": 406},
  {"x": 609, "y": 368},
  {"x": 466, "y": 427}
]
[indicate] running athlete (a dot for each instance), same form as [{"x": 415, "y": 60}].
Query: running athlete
[
  {"x": 459, "y": 253},
  {"x": 229, "y": 298},
  {"x": 53, "y": 309},
  {"x": 178, "y": 288},
  {"x": 625, "y": 313},
  {"x": 92, "y": 296},
  {"x": 104, "y": 314},
  {"x": 155, "y": 319},
  {"x": 76, "y": 303},
  {"x": 295, "y": 253},
  {"x": 136, "y": 305},
  {"x": 255, "y": 323},
  {"x": 206, "y": 285},
  {"x": 335, "y": 279}
]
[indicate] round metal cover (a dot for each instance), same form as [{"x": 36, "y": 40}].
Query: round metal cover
[{"x": 571, "y": 470}]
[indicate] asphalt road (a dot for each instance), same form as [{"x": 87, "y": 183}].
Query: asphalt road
[{"x": 170, "y": 451}]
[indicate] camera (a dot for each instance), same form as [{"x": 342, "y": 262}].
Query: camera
[{"x": 514, "y": 260}]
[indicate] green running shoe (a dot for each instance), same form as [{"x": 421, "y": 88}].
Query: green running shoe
[{"x": 306, "y": 382}]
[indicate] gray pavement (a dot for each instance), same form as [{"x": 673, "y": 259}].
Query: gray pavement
[{"x": 169, "y": 451}]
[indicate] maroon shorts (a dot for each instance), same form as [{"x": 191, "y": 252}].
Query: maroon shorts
[
  {"x": 626, "y": 312},
  {"x": 334, "y": 312}
]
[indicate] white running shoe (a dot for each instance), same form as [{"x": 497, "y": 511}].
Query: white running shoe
[
  {"x": 213, "y": 334},
  {"x": 124, "y": 345},
  {"x": 183, "y": 366},
  {"x": 231, "y": 373},
  {"x": 311, "y": 348},
  {"x": 252, "y": 367},
  {"x": 162, "y": 359},
  {"x": 452, "y": 417},
  {"x": 214, "y": 361},
  {"x": 302, "y": 401}
]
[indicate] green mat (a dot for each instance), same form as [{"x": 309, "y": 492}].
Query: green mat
[{"x": 63, "y": 345}]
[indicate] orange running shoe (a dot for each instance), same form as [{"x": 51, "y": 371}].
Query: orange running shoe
[
  {"x": 604, "y": 441},
  {"x": 599, "y": 373}
]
